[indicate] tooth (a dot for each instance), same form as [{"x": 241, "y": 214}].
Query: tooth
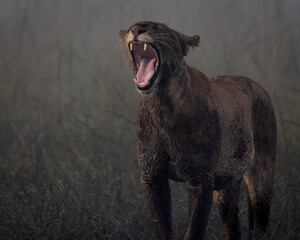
[
  {"x": 146, "y": 82},
  {"x": 145, "y": 46},
  {"x": 130, "y": 46},
  {"x": 136, "y": 82}
]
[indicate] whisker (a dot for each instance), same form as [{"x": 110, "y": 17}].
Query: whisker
[
  {"x": 163, "y": 43},
  {"x": 171, "y": 40}
]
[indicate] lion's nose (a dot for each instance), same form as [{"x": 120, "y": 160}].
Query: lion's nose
[{"x": 137, "y": 30}]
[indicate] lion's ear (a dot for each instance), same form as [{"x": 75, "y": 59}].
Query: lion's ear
[
  {"x": 188, "y": 41},
  {"x": 122, "y": 33}
]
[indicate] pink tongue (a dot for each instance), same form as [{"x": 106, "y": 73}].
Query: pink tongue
[{"x": 146, "y": 69}]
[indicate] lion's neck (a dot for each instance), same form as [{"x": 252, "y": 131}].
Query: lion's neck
[
  {"x": 179, "y": 90},
  {"x": 185, "y": 83}
]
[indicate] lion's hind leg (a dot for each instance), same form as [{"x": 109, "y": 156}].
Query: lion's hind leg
[
  {"x": 259, "y": 186},
  {"x": 227, "y": 202},
  {"x": 259, "y": 178}
]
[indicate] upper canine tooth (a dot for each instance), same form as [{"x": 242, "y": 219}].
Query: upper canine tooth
[
  {"x": 130, "y": 46},
  {"x": 136, "y": 82},
  {"x": 146, "y": 82},
  {"x": 145, "y": 46}
]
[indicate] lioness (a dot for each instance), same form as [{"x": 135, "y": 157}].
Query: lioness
[{"x": 209, "y": 133}]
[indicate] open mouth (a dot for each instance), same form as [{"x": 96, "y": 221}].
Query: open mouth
[{"x": 146, "y": 64}]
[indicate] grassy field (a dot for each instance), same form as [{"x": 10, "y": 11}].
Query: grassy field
[{"x": 68, "y": 107}]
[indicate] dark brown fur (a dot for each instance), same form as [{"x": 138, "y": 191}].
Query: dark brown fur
[{"x": 209, "y": 133}]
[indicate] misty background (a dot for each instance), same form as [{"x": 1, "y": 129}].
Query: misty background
[{"x": 68, "y": 107}]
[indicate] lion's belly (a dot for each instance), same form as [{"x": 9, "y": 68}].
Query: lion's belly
[
  {"x": 236, "y": 154},
  {"x": 174, "y": 174},
  {"x": 237, "y": 148}
]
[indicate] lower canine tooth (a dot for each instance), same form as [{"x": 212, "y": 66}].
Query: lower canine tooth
[
  {"x": 145, "y": 46},
  {"x": 146, "y": 83},
  {"x": 136, "y": 82},
  {"x": 130, "y": 46}
]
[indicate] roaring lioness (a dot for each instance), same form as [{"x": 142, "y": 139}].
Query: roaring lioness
[{"x": 209, "y": 133}]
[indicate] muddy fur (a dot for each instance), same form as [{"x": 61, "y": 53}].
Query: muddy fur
[{"x": 210, "y": 133}]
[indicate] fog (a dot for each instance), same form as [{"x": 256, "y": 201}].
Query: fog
[{"x": 68, "y": 107}]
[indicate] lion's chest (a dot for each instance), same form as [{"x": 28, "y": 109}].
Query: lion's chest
[
  {"x": 168, "y": 127},
  {"x": 177, "y": 133}
]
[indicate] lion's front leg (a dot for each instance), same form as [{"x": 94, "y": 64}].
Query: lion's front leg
[
  {"x": 157, "y": 193},
  {"x": 200, "y": 204}
]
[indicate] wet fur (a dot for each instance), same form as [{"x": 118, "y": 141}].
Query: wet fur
[{"x": 209, "y": 133}]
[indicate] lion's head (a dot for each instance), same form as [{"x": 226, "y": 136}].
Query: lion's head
[{"x": 154, "y": 52}]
